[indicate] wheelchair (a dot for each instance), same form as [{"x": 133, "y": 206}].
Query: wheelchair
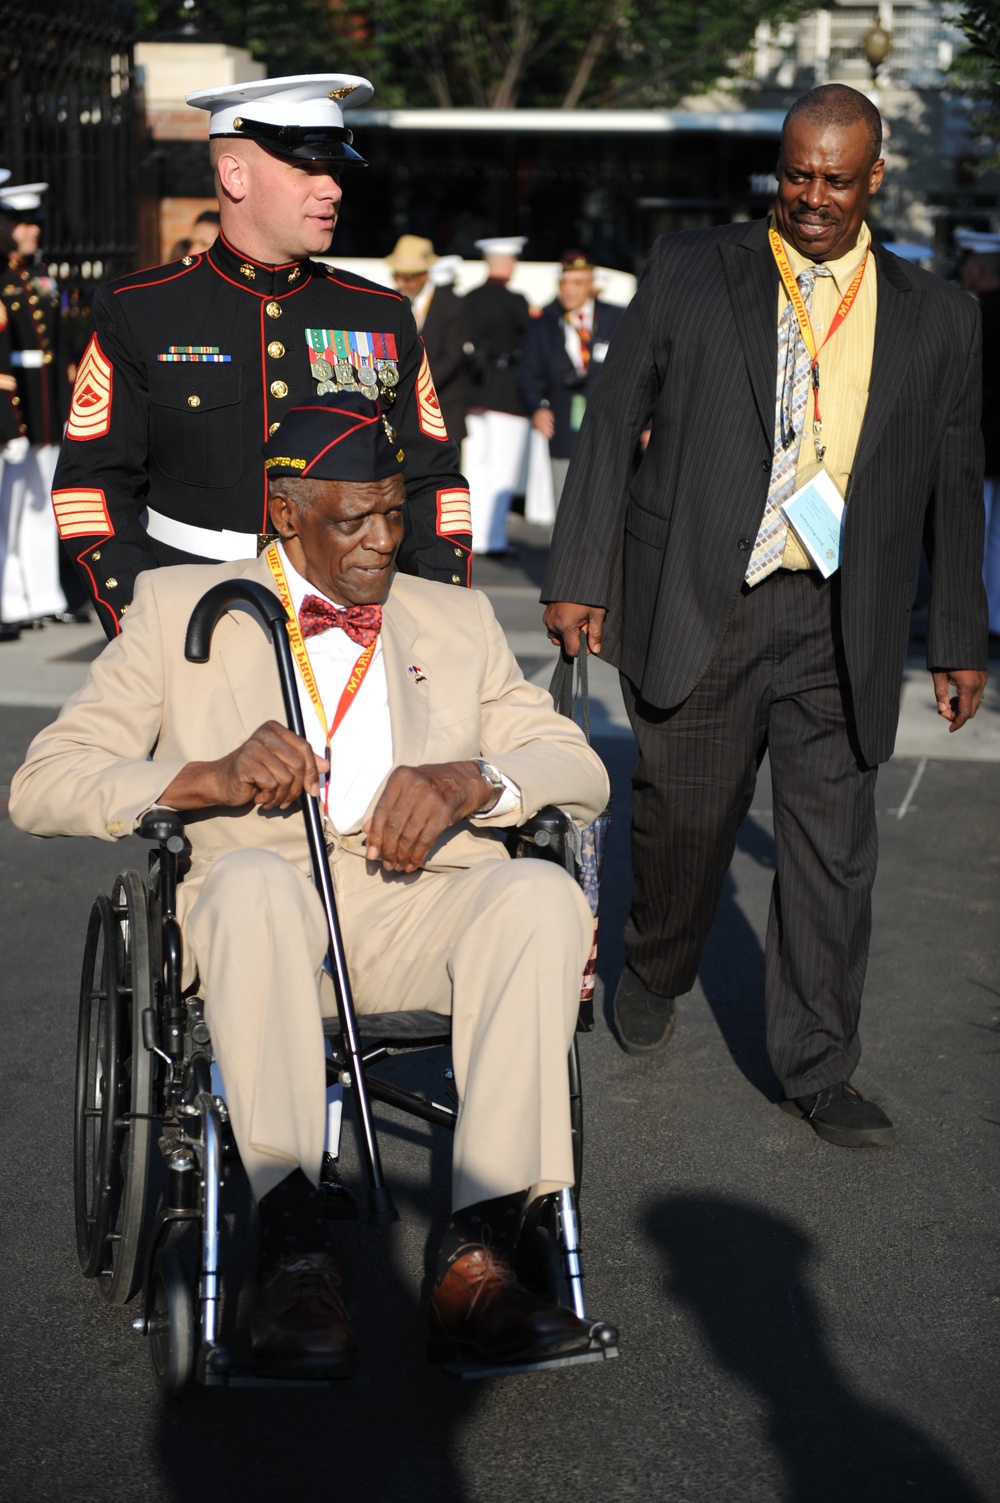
[{"x": 151, "y": 1140}]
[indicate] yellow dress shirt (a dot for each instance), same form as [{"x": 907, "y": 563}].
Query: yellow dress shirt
[{"x": 845, "y": 370}]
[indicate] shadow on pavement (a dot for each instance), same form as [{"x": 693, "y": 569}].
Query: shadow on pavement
[
  {"x": 741, "y": 1274},
  {"x": 732, "y": 970}
]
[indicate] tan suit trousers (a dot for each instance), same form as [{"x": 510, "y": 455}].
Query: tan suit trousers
[{"x": 509, "y": 939}]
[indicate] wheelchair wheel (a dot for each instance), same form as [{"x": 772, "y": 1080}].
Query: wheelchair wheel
[
  {"x": 171, "y": 1323},
  {"x": 114, "y": 1092}
]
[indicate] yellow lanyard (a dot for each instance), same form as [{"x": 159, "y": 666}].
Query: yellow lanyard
[
  {"x": 301, "y": 656},
  {"x": 791, "y": 286}
]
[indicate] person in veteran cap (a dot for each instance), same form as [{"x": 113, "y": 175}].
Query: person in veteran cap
[
  {"x": 563, "y": 358},
  {"x": 193, "y": 365},
  {"x": 979, "y": 274},
  {"x": 439, "y": 316},
  {"x": 443, "y": 744},
  {"x": 496, "y": 321}
]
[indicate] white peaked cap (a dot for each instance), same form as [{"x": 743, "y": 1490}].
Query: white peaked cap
[
  {"x": 312, "y": 101},
  {"x": 504, "y": 245},
  {"x": 978, "y": 241},
  {"x": 445, "y": 270},
  {"x": 22, "y": 196}
]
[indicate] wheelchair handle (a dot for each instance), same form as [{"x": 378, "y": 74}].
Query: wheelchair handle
[{"x": 213, "y": 605}]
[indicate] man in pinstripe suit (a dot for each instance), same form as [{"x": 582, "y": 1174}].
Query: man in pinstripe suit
[{"x": 729, "y": 640}]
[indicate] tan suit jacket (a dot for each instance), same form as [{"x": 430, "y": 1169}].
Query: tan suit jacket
[{"x": 89, "y": 773}]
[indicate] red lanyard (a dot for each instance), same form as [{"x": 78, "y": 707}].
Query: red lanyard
[
  {"x": 802, "y": 313},
  {"x": 301, "y": 656}
]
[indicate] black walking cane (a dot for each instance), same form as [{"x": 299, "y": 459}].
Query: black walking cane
[{"x": 271, "y": 614}]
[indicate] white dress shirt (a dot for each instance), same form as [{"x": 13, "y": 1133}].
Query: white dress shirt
[{"x": 361, "y": 754}]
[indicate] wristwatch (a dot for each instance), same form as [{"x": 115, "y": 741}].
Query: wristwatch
[{"x": 494, "y": 777}]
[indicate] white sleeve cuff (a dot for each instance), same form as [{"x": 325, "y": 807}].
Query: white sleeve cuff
[{"x": 508, "y": 801}]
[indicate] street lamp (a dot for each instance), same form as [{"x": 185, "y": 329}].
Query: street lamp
[{"x": 876, "y": 45}]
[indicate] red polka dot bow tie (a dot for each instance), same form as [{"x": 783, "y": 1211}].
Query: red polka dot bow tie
[{"x": 362, "y": 623}]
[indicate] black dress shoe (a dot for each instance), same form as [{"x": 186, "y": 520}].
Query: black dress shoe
[
  {"x": 643, "y": 1019},
  {"x": 300, "y": 1327},
  {"x": 480, "y": 1311},
  {"x": 840, "y": 1114}
]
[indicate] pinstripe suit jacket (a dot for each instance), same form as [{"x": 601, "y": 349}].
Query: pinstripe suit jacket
[{"x": 663, "y": 544}]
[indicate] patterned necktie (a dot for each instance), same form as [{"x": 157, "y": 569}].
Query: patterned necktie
[
  {"x": 362, "y": 623},
  {"x": 579, "y": 321},
  {"x": 791, "y": 399}
]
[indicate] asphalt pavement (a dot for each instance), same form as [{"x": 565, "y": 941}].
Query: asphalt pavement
[{"x": 799, "y": 1322}]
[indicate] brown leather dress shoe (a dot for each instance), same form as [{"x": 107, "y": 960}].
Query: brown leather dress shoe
[
  {"x": 300, "y": 1327},
  {"x": 479, "y": 1310}
]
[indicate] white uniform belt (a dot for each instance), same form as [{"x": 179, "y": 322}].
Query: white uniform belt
[
  {"x": 207, "y": 542},
  {"x": 30, "y": 360}
]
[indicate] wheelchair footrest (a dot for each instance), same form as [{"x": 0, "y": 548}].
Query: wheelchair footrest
[{"x": 466, "y": 1369}]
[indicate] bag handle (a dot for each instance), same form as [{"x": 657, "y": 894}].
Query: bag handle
[{"x": 562, "y": 687}]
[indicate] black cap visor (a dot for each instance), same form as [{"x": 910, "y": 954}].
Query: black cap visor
[{"x": 302, "y": 143}]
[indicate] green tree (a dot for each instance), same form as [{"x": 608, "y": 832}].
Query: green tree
[
  {"x": 502, "y": 53},
  {"x": 976, "y": 71},
  {"x": 493, "y": 54}
]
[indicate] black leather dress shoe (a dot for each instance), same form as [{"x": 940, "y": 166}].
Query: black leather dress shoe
[
  {"x": 840, "y": 1114},
  {"x": 480, "y": 1311},
  {"x": 300, "y": 1327},
  {"x": 644, "y": 1020}
]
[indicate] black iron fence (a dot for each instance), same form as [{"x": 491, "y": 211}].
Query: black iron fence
[{"x": 70, "y": 116}]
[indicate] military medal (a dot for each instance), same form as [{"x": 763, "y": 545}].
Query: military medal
[
  {"x": 366, "y": 375},
  {"x": 388, "y": 375},
  {"x": 343, "y": 372},
  {"x": 322, "y": 370}
]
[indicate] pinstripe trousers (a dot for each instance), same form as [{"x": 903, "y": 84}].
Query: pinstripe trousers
[{"x": 778, "y": 684}]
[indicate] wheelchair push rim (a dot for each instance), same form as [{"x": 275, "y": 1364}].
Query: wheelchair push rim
[{"x": 114, "y": 1092}]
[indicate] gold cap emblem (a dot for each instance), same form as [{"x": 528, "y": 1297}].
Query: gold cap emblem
[{"x": 341, "y": 93}]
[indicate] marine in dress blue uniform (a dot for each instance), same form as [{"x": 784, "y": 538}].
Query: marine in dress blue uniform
[{"x": 193, "y": 365}]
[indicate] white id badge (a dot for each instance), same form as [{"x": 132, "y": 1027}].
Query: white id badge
[{"x": 816, "y": 515}]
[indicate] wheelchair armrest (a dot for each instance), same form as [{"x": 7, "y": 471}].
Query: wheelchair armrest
[
  {"x": 548, "y": 834},
  {"x": 164, "y": 826}
]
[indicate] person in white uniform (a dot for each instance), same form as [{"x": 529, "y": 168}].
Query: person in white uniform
[
  {"x": 496, "y": 421},
  {"x": 30, "y": 589}
]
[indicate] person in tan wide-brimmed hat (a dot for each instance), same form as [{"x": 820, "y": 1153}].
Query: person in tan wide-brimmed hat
[{"x": 439, "y": 317}]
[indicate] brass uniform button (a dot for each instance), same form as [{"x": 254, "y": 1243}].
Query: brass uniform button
[
  {"x": 123, "y": 610},
  {"x": 36, "y": 314},
  {"x": 32, "y": 300},
  {"x": 456, "y": 579},
  {"x": 15, "y": 307},
  {"x": 272, "y": 309},
  {"x": 237, "y": 123},
  {"x": 273, "y": 429},
  {"x": 279, "y": 389},
  {"x": 47, "y": 358},
  {"x": 187, "y": 260},
  {"x": 276, "y": 349},
  {"x": 111, "y": 584},
  {"x": 194, "y": 401},
  {"x": 96, "y": 556},
  {"x": 458, "y": 553}
]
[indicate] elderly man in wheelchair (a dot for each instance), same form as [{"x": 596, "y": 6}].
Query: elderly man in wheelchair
[{"x": 423, "y": 744}]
